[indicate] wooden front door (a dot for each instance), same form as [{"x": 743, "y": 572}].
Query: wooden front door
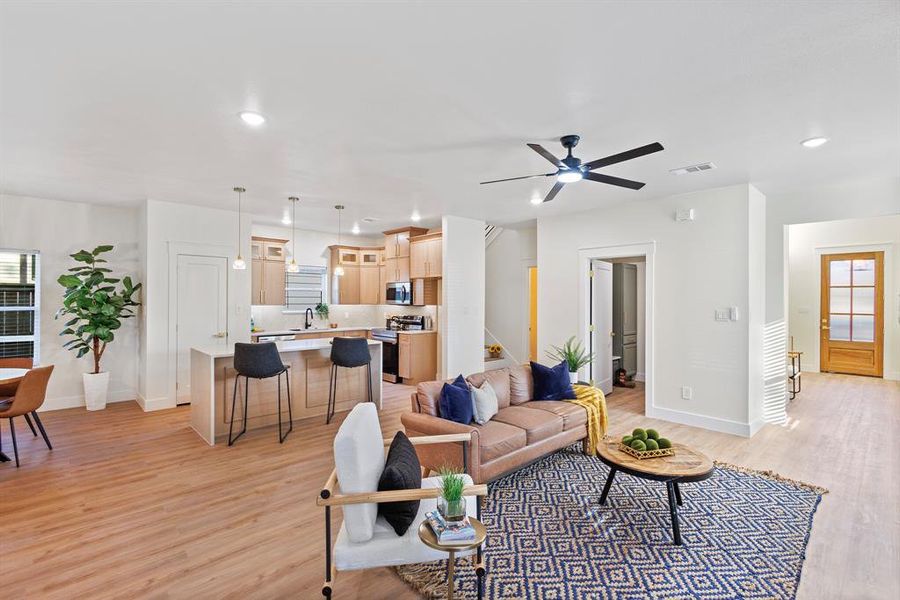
[{"x": 852, "y": 314}]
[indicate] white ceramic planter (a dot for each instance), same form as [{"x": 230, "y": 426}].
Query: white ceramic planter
[
  {"x": 95, "y": 389},
  {"x": 573, "y": 376}
]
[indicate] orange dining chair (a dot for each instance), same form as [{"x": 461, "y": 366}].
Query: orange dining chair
[
  {"x": 28, "y": 398},
  {"x": 8, "y": 390}
]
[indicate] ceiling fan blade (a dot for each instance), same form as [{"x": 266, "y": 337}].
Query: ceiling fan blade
[
  {"x": 554, "y": 191},
  {"x": 546, "y": 154},
  {"x": 626, "y": 183},
  {"x": 515, "y": 178},
  {"x": 623, "y": 156}
]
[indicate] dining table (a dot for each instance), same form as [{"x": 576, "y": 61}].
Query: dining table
[{"x": 10, "y": 376}]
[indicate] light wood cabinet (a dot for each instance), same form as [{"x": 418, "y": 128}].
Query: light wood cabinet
[
  {"x": 426, "y": 292},
  {"x": 348, "y": 286},
  {"x": 369, "y": 289},
  {"x": 396, "y": 241},
  {"x": 425, "y": 256},
  {"x": 382, "y": 284},
  {"x": 397, "y": 269},
  {"x": 369, "y": 257},
  {"x": 417, "y": 360},
  {"x": 348, "y": 256},
  {"x": 267, "y": 271}
]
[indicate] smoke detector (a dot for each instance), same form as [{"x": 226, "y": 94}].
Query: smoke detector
[{"x": 707, "y": 166}]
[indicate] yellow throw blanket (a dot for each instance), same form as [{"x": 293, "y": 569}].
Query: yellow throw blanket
[{"x": 594, "y": 403}]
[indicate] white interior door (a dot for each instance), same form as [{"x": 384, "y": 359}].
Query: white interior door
[
  {"x": 601, "y": 321},
  {"x": 202, "y": 319}
]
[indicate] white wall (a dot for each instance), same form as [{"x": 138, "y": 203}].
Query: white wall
[
  {"x": 462, "y": 310},
  {"x": 57, "y": 229},
  {"x": 804, "y": 274},
  {"x": 167, "y": 226},
  {"x": 699, "y": 266},
  {"x": 506, "y": 288}
]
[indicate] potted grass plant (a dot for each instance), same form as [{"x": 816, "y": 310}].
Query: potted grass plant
[
  {"x": 451, "y": 503},
  {"x": 574, "y": 354},
  {"x": 97, "y": 303}
]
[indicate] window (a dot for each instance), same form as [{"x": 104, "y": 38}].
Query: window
[
  {"x": 20, "y": 304},
  {"x": 304, "y": 289}
]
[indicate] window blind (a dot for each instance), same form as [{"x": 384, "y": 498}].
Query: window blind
[
  {"x": 305, "y": 289},
  {"x": 19, "y": 304}
]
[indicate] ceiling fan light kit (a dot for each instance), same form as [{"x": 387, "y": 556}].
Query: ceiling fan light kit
[{"x": 570, "y": 169}]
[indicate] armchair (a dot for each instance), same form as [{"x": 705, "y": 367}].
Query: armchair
[{"x": 365, "y": 540}]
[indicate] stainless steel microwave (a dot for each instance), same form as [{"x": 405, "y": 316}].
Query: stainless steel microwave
[{"x": 399, "y": 293}]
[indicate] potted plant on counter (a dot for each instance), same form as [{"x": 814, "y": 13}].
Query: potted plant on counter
[
  {"x": 97, "y": 303},
  {"x": 574, "y": 354},
  {"x": 322, "y": 311}
]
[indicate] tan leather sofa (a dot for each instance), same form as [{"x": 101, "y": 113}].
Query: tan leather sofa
[{"x": 521, "y": 432}]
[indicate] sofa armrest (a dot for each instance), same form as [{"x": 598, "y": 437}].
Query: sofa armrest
[{"x": 443, "y": 455}]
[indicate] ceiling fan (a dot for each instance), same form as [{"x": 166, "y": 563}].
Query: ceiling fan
[{"x": 571, "y": 169}]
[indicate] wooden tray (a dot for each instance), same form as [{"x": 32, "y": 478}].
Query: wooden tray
[{"x": 646, "y": 453}]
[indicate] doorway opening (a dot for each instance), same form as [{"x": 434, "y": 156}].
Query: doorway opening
[{"x": 617, "y": 317}]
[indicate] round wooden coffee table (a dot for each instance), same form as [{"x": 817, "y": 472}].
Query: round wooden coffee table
[
  {"x": 685, "y": 466},
  {"x": 429, "y": 539}
]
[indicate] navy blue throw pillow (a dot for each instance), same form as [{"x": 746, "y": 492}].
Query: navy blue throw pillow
[
  {"x": 456, "y": 401},
  {"x": 551, "y": 384}
]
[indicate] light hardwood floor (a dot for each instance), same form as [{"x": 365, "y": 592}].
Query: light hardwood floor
[{"x": 135, "y": 505}]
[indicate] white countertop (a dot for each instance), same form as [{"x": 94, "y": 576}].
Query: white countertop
[
  {"x": 417, "y": 331},
  {"x": 310, "y": 330},
  {"x": 222, "y": 351}
]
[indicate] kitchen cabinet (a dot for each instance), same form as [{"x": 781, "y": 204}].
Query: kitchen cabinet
[
  {"x": 348, "y": 286},
  {"x": 417, "y": 359},
  {"x": 348, "y": 256},
  {"x": 382, "y": 284},
  {"x": 425, "y": 256},
  {"x": 370, "y": 291},
  {"x": 396, "y": 241},
  {"x": 369, "y": 257},
  {"x": 267, "y": 271},
  {"x": 625, "y": 315},
  {"x": 426, "y": 292},
  {"x": 397, "y": 269}
]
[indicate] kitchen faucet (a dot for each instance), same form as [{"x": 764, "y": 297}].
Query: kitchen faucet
[{"x": 308, "y": 316}]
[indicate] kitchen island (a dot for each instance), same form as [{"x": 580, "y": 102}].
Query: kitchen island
[{"x": 212, "y": 384}]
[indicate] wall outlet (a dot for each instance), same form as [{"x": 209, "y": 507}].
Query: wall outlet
[
  {"x": 723, "y": 314},
  {"x": 686, "y": 393}
]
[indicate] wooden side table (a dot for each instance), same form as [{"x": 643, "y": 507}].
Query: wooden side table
[
  {"x": 430, "y": 539},
  {"x": 686, "y": 465}
]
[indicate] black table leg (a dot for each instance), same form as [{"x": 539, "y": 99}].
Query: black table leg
[
  {"x": 609, "y": 480},
  {"x": 677, "y": 494},
  {"x": 673, "y": 510}
]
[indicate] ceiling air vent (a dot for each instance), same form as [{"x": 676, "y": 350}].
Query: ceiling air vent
[
  {"x": 707, "y": 166},
  {"x": 369, "y": 219}
]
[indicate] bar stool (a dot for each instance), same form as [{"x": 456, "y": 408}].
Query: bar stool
[
  {"x": 259, "y": 361},
  {"x": 350, "y": 353}
]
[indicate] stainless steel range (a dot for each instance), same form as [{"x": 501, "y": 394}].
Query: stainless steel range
[{"x": 388, "y": 338}]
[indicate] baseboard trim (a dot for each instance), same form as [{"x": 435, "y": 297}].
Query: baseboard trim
[
  {"x": 639, "y": 376},
  {"x": 892, "y": 375},
  {"x": 77, "y": 401},
  {"x": 152, "y": 404},
  {"x": 703, "y": 421}
]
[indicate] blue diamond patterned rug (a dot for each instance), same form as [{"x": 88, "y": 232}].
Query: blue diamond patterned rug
[{"x": 744, "y": 535}]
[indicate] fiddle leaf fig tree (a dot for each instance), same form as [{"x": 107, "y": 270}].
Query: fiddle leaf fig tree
[{"x": 96, "y": 303}]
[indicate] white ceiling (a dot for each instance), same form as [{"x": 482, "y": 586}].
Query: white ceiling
[{"x": 391, "y": 107}]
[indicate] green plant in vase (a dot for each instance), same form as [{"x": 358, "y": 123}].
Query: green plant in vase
[
  {"x": 451, "y": 504},
  {"x": 574, "y": 355}
]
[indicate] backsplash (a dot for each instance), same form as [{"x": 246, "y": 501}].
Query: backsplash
[{"x": 271, "y": 318}]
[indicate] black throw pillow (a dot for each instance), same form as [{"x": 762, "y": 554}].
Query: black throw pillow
[{"x": 402, "y": 471}]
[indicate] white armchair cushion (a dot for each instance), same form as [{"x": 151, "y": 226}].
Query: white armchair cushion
[
  {"x": 386, "y": 548},
  {"x": 359, "y": 461}
]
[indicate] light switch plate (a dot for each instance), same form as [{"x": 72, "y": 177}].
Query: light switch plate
[
  {"x": 723, "y": 314},
  {"x": 686, "y": 393},
  {"x": 733, "y": 313},
  {"x": 684, "y": 214}
]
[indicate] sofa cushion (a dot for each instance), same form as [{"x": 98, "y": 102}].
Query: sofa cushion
[
  {"x": 538, "y": 425},
  {"x": 551, "y": 383},
  {"x": 499, "y": 379},
  {"x": 456, "y": 401},
  {"x": 402, "y": 471},
  {"x": 521, "y": 387},
  {"x": 428, "y": 397},
  {"x": 496, "y": 439},
  {"x": 573, "y": 415},
  {"x": 484, "y": 402},
  {"x": 359, "y": 461}
]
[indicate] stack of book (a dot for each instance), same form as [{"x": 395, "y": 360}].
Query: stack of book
[{"x": 450, "y": 533}]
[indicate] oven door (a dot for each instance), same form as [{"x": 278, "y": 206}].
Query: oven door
[
  {"x": 399, "y": 293},
  {"x": 390, "y": 359}
]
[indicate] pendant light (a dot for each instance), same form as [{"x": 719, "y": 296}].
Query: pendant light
[
  {"x": 239, "y": 264},
  {"x": 339, "y": 270},
  {"x": 293, "y": 267}
]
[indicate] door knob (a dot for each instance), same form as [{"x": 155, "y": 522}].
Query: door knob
[{"x": 220, "y": 334}]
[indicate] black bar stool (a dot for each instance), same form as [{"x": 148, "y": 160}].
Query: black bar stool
[
  {"x": 259, "y": 361},
  {"x": 350, "y": 353}
]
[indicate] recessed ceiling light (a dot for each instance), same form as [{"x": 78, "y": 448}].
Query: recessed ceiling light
[
  {"x": 355, "y": 229},
  {"x": 536, "y": 200},
  {"x": 416, "y": 217},
  {"x": 252, "y": 118},
  {"x": 814, "y": 142}
]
